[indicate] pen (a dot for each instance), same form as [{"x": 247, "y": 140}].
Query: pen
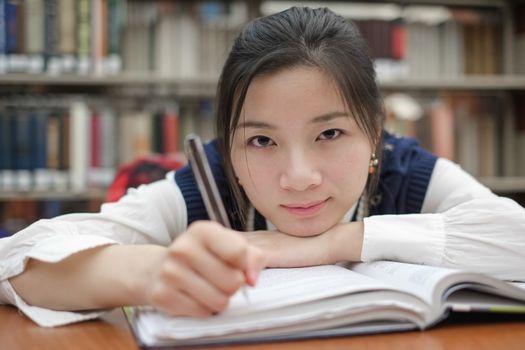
[{"x": 207, "y": 186}]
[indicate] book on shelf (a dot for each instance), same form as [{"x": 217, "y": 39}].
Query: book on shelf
[
  {"x": 519, "y": 39},
  {"x": 466, "y": 128},
  {"x": 519, "y": 159},
  {"x": 108, "y": 37},
  {"x": 61, "y": 36},
  {"x": 434, "y": 42},
  {"x": 331, "y": 300},
  {"x": 6, "y": 150}
]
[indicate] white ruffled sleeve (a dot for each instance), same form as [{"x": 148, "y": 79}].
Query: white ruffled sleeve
[{"x": 462, "y": 225}]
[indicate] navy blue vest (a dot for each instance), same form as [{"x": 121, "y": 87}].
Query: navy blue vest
[{"x": 405, "y": 174}]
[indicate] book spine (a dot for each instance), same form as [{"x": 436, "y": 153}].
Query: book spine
[
  {"x": 158, "y": 132},
  {"x": 96, "y": 36},
  {"x": 67, "y": 38},
  {"x": 206, "y": 127},
  {"x": 6, "y": 152},
  {"x": 83, "y": 36},
  {"x": 442, "y": 126},
  {"x": 10, "y": 13},
  {"x": 23, "y": 152},
  {"x": 108, "y": 146},
  {"x": 53, "y": 147},
  {"x": 79, "y": 145},
  {"x": 34, "y": 35},
  {"x": 142, "y": 134},
  {"x": 42, "y": 175},
  {"x": 3, "y": 39},
  {"x": 115, "y": 21},
  {"x": 171, "y": 131},
  {"x": 51, "y": 39}
]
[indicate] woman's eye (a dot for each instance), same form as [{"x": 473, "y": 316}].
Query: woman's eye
[
  {"x": 330, "y": 134},
  {"x": 260, "y": 141}
]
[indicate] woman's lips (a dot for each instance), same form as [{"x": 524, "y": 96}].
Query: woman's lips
[{"x": 305, "y": 209}]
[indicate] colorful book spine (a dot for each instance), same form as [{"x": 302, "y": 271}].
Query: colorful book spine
[
  {"x": 35, "y": 35},
  {"x": 79, "y": 147},
  {"x": 6, "y": 151},
  {"x": 171, "y": 131},
  {"x": 83, "y": 36},
  {"x": 41, "y": 177},
  {"x": 24, "y": 138}
]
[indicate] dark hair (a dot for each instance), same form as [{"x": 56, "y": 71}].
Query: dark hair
[{"x": 299, "y": 36}]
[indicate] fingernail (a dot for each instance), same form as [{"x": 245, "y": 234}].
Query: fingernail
[{"x": 253, "y": 276}]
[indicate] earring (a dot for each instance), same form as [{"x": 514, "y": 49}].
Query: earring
[{"x": 372, "y": 166}]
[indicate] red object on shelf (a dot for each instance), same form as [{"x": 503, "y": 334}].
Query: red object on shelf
[{"x": 142, "y": 171}]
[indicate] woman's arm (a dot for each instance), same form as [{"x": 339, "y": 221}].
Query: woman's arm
[
  {"x": 342, "y": 242},
  {"x": 194, "y": 276},
  {"x": 86, "y": 261},
  {"x": 462, "y": 225}
]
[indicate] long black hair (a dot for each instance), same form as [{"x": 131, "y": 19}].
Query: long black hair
[{"x": 298, "y": 36}]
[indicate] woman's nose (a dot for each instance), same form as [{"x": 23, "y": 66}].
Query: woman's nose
[{"x": 299, "y": 173}]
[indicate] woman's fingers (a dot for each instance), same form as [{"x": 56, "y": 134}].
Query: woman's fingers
[
  {"x": 181, "y": 277},
  {"x": 203, "y": 268},
  {"x": 175, "y": 302},
  {"x": 221, "y": 275}
]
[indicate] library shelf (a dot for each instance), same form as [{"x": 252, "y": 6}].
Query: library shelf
[
  {"x": 505, "y": 184},
  {"x": 95, "y": 194},
  {"x": 207, "y": 83}
]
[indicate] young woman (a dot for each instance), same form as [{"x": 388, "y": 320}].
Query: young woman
[{"x": 307, "y": 174}]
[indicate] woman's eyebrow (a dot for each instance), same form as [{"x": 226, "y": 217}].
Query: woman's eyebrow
[
  {"x": 255, "y": 125},
  {"x": 329, "y": 116},
  {"x": 265, "y": 125}
]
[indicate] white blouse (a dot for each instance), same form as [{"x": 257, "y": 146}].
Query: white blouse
[{"x": 462, "y": 225}]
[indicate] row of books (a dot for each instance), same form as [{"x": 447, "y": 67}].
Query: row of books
[
  {"x": 106, "y": 37},
  {"x": 81, "y": 146},
  {"x": 467, "y": 129},
  {"x": 519, "y": 47},
  {"x": 61, "y": 36},
  {"x": 519, "y": 109},
  {"x": 467, "y": 42},
  {"x": 191, "y": 39}
]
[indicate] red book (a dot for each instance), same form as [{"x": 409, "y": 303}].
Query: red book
[
  {"x": 170, "y": 132},
  {"x": 398, "y": 36},
  {"x": 95, "y": 140}
]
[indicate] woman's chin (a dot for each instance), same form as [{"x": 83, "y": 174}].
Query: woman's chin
[{"x": 303, "y": 229}]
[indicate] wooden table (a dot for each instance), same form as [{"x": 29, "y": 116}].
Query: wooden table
[{"x": 17, "y": 333}]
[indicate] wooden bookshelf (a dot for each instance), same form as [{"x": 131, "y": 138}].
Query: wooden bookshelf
[
  {"x": 503, "y": 184},
  {"x": 206, "y": 84},
  {"x": 470, "y": 83},
  {"x": 509, "y": 184},
  {"x": 95, "y": 194},
  {"x": 154, "y": 83}
]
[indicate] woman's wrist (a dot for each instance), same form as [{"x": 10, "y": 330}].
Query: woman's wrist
[
  {"x": 147, "y": 263},
  {"x": 346, "y": 241}
]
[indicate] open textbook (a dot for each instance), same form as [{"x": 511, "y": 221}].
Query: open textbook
[{"x": 333, "y": 300}]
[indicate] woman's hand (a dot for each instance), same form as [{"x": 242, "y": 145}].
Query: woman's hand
[
  {"x": 202, "y": 269},
  {"x": 342, "y": 242}
]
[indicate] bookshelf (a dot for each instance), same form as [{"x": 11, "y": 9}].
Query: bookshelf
[{"x": 136, "y": 78}]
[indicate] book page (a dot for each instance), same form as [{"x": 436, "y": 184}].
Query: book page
[
  {"x": 434, "y": 284},
  {"x": 420, "y": 280},
  {"x": 287, "y": 286},
  {"x": 295, "y": 297}
]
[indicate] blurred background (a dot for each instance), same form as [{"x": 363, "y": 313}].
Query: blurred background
[{"x": 97, "y": 95}]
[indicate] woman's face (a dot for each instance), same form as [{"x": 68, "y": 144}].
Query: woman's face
[{"x": 298, "y": 153}]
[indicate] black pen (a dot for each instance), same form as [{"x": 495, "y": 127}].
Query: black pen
[{"x": 207, "y": 185}]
